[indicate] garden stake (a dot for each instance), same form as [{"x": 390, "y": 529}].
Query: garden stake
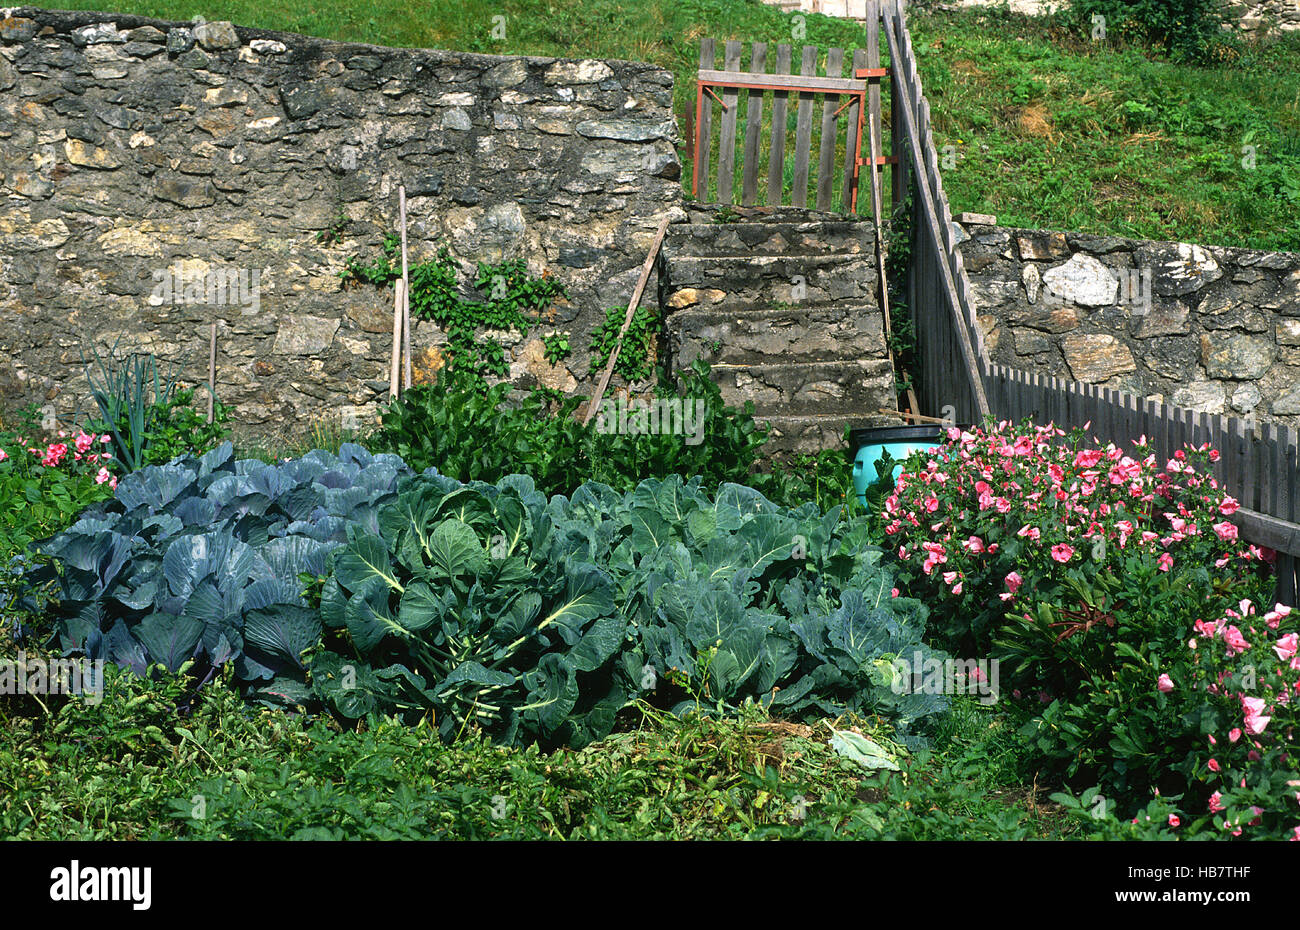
[
  {"x": 406, "y": 292},
  {"x": 627, "y": 321},
  {"x": 395, "y": 372},
  {"x": 212, "y": 370},
  {"x": 911, "y": 416}
]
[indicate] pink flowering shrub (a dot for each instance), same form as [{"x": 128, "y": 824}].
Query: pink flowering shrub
[
  {"x": 1245, "y": 668},
  {"x": 995, "y": 521},
  {"x": 45, "y": 483},
  {"x": 1082, "y": 570}
]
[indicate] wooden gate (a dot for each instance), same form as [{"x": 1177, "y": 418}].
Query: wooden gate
[{"x": 845, "y": 103}]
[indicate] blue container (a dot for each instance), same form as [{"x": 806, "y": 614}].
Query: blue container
[{"x": 872, "y": 443}]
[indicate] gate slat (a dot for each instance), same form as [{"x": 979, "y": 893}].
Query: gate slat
[
  {"x": 826, "y": 154},
  {"x": 753, "y": 128},
  {"x": 705, "y": 125},
  {"x": 803, "y": 131},
  {"x": 727, "y": 137},
  {"x": 861, "y": 59},
  {"x": 776, "y": 160}
]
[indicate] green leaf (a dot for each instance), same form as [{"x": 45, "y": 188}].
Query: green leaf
[
  {"x": 588, "y": 594},
  {"x": 454, "y": 550},
  {"x": 552, "y": 693},
  {"x": 364, "y": 565},
  {"x": 422, "y": 606},
  {"x": 859, "y": 749},
  {"x": 369, "y": 619}
]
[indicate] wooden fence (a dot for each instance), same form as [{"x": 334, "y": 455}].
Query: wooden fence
[
  {"x": 841, "y": 121},
  {"x": 1257, "y": 466},
  {"x": 938, "y": 294}
]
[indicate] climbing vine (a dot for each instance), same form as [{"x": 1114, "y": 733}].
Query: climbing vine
[
  {"x": 512, "y": 299},
  {"x": 634, "y": 361}
]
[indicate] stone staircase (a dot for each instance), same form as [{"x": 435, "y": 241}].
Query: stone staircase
[{"x": 783, "y": 305}]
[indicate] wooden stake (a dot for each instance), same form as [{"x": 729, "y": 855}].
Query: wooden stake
[
  {"x": 911, "y": 416},
  {"x": 395, "y": 371},
  {"x": 875, "y": 144},
  {"x": 406, "y": 291},
  {"x": 627, "y": 321},
  {"x": 212, "y": 371}
]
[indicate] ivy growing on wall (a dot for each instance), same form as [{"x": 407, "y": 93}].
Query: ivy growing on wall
[
  {"x": 634, "y": 361},
  {"x": 512, "y": 299}
]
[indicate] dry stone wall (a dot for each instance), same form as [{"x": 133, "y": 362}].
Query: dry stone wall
[
  {"x": 1210, "y": 328},
  {"x": 159, "y": 177}
]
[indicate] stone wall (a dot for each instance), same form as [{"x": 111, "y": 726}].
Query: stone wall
[
  {"x": 137, "y": 152},
  {"x": 1214, "y": 329}
]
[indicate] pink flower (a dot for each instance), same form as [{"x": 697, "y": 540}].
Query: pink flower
[
  {"x": 1166, "y": 561},
  {"x": 1229, "y": 506},
  {"x": 1235, "y": 641},
  {"x": 893, "y": 592},
  {"x": 54, "y": 454},
  {"x": 1165, "y": 684},
  {"x": 1213, "y": 765},
  {"x": 1286, "y": 646},
  {"x": 1087, "y": 458},
  {"x": 83, "y": 442},
  {"x": 1234, "y": 734},
  {"x": 1216, "y": 803},
  {"x": 1174, "y": 821},
  {"x": 1030, "y": 531},
  {"x": 974, "y": 544},
  {"x": 102, "y": 476},
  {"x": 1062, "y": 552},
  {"x": 3, "y": 455},
  {"x": 1225, "y": 530},
  {"x": 105, "y": 438},
  {"x": 1014, "y": 581},
  {"x": 1253, "y": 708},
  {"x": 1256, "y": 725}
]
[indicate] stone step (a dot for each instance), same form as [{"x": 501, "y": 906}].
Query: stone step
[
  {"x": 816, "y": 432},
  {"x": 802, "y": 333},
  {"x": 697, "y": 212},
  {"x": 823, "y": 237},
  {"x": 765, "y": 280},
  {"x": 808, "y": 388}
]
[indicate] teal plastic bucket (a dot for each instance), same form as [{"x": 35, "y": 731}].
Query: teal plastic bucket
[{"x": 899, "y": 441}]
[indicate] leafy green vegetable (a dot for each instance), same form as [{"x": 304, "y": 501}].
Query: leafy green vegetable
[{"x": 538, "y": 621}]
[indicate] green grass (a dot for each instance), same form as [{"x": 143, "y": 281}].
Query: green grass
[
  {"x": 1054, "y": 132},
  {"x": 130, "y": 767},
  {"x": 1049, "y": 129}
]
